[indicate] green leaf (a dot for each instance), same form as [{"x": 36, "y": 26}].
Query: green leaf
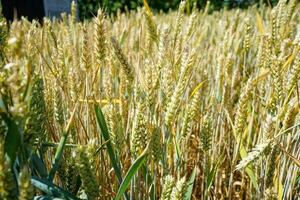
[
  {"x": 58, "y": 156},
  {"x": 2, "y": 105},
  {"x": 190, "y": 186},
  {"x": 39, "y": 166},
  {"x": 106, "y": 136},
  {"x": 12, "y": 139},
  {"x": 150, "y": 181},
  {"x": 252, "y": 176},
  {"x": 131, "y": 172},
  {"x": 60, "y": 148},
  {"x": 249, "y": 168},
  {"x": 152, "y": 191},
  {"x": 51, "y": 189},
  {"x": 110, "y": 148},
  {"x": 212, "y": 174},
  {"x": 178, "y": 153}
]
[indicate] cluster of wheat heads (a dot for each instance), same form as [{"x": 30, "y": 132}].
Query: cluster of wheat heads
[{"x": 152, "y": 106}]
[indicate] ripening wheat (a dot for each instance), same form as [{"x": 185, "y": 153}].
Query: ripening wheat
[{"x": 152, "y": 106}]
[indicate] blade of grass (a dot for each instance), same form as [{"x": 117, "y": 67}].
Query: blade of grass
[
  {"x": 131, "y": 172},
  {"x": 106, "y": 136},
  {"x": 111, "y": 152},
  {"x": 212, "y": 174},
  {"x": 60, "y": 148},
  {"x": 51, "y": 189},
  {"x": 198, "y": 87},
  {"x": 293, "y": 158},
  {"x": 39, "y": 166},
  {"x": 190, "y": 186},
  {"x": 12, "y": 139}
]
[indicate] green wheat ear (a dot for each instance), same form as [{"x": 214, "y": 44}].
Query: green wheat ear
[
  {"x": 168, "y": 185},
  {"x": 58, "y": 109},
  {"x": 71, "y": 175},
  {"x": 151, "y": 28},
  {"x": 140, "y": 69},
  {"x": 179, "y": 89},
  {"x": 242, "y": 112},
  {"x": 100, "y": 45},
  {"x": 36, "y": 120},
  {"x": 156, "y": 144},
  {"x": 271, "y": 166},
  {"x": 126, "y": 67},
  {"x": 189, "y": 116},
  {"x": 139, "y": 131},
  {"x": 26, "y": 190},
  {"x": 290, "y": 117},
  {"x": 87, "y": 175},
  {"x": 293, "y": 75},
  {"x": 8, "y": 188},
  {"x": 247, "y": 44},
  {"x": 73, "y": 12},
  {"x": 179, "y": 21},
  {"x": 206, "y": 134},
  {"x": 86, "y": 55}
]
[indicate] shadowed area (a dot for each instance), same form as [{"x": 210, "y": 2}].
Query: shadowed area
[{"x": 32, "y": 9}]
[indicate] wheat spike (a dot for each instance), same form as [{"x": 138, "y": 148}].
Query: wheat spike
[{"x": 26, "y": 189}]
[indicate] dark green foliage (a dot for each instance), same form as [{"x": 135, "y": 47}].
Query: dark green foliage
[
  {"x": 205, "y": 135},
  {"x": 88, "y": 8},
  {"x": 35, "y": 123}
]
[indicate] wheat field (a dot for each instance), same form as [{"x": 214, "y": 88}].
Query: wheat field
[{"x": 145, "y": 105}]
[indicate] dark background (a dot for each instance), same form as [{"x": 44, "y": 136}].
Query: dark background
[{"x": 34, "y": 9}]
